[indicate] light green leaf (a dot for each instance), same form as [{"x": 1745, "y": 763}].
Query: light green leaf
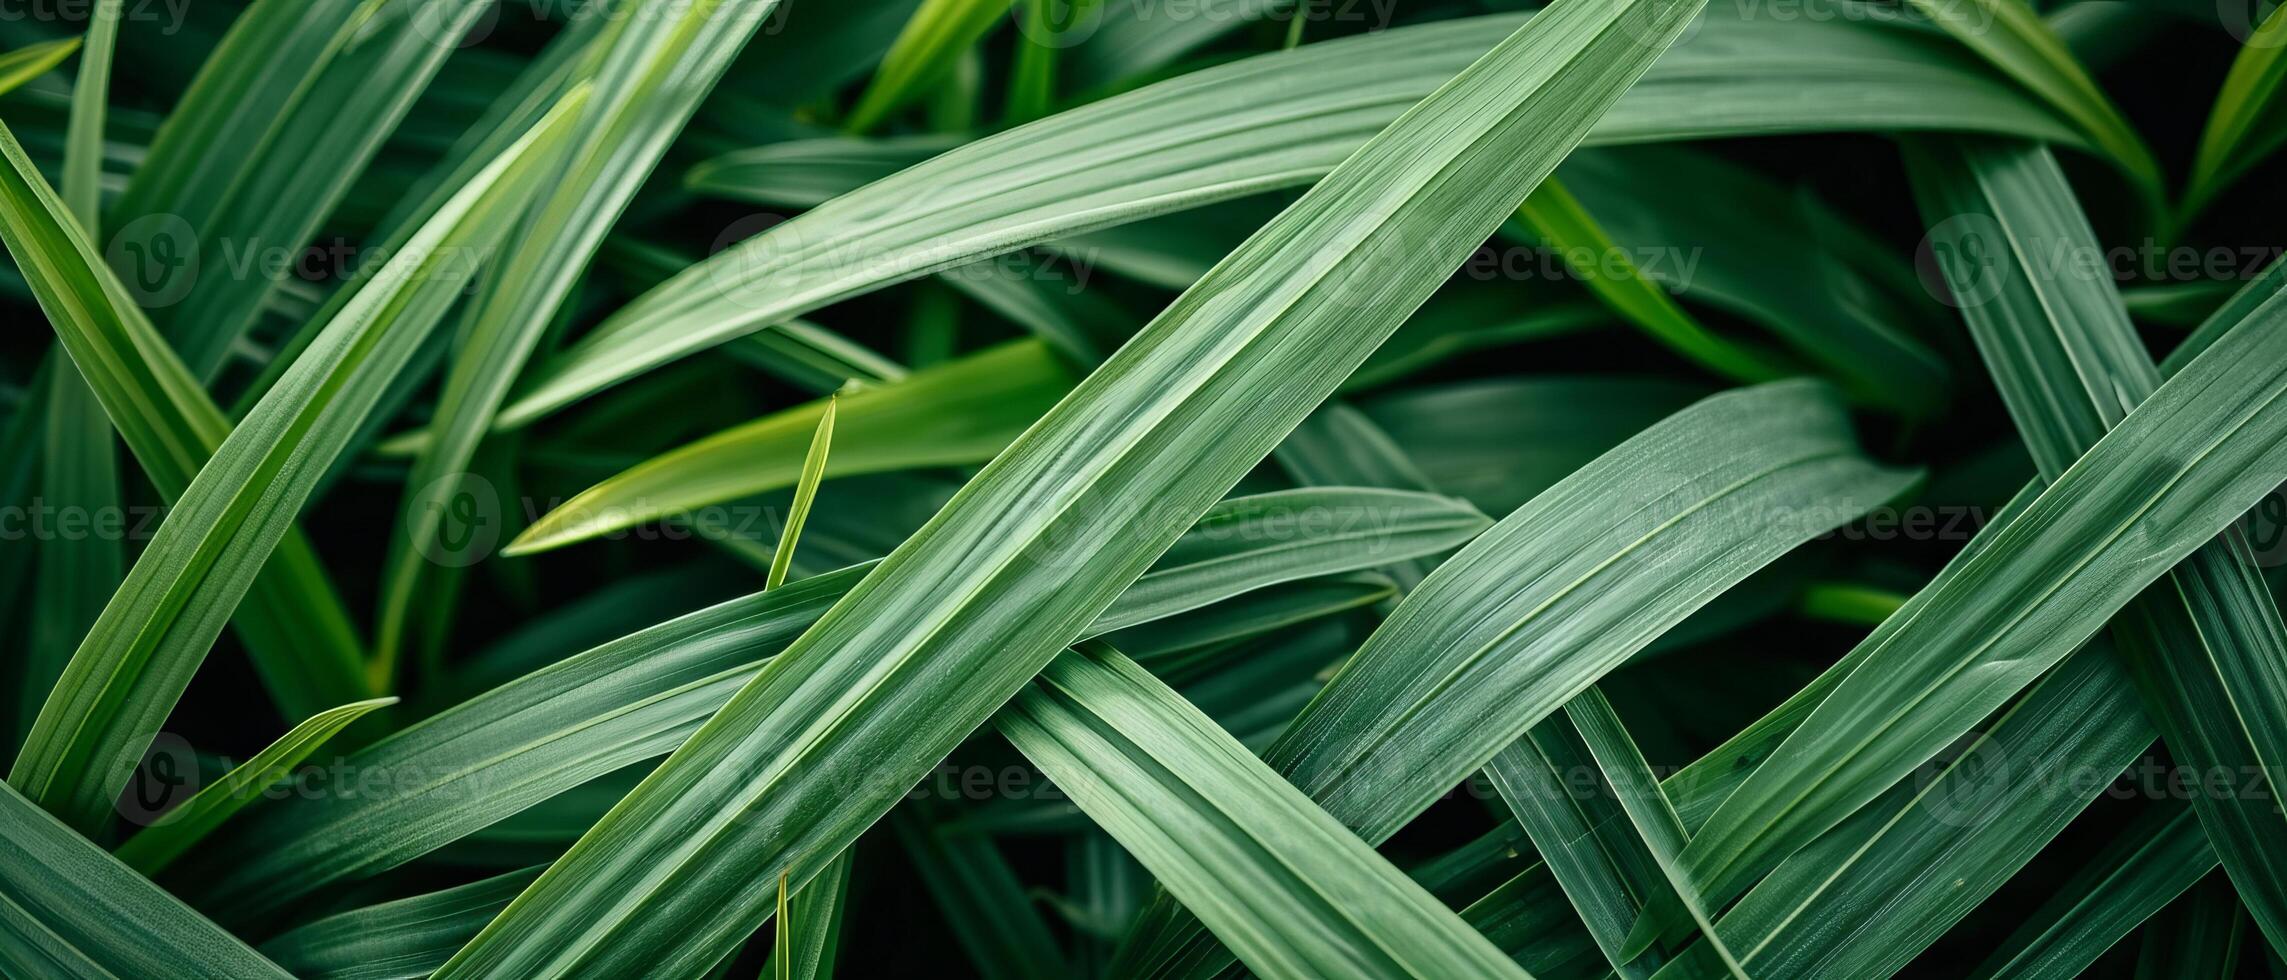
[
  {"x": 2012, "y": 36},
  {"x": 1284, "y": 883},
  {"x": 181, "y": 828},
  {"x": 34, "y": 60},
  {"x": 962, "y": 412},
  {"x": 805, "y": 490},
  {"x": 1565, "y": 226},
  {"x": 1289, "y": 116},
  {"x": 938, "y": 35},
  {"x": 807, "y": 947},
  {"x": 2249, "y": 120}
]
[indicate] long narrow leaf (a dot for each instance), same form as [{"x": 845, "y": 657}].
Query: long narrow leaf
[
  {"x": 69, "y": 910},
  {"x": 142, "y": 652},
  {"x": 1047, "y": 535},
  {"x": 1290, "y": 117}
]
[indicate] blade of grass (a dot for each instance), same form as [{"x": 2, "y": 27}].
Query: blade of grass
[
  {"x": 2153, "y": 860},
  {"x": 402, "y": 939},
  {"x": 34, "y": 60},
  {"x": 1047, "y": 535},
  {"x": 938, "y": 35},
  {"x": 67, "y": 909},
  {"x": 650, "y": 70},
  {"x": 1870, "y": 895},
  {"x": 806, "y": 949},
  {"x": 2207, "y": 648},
  {"x": 1289, "y": 116},
  {"x": 2011, "y": 35},
  {"x": 321, "y": 83},
  {"x": 1558, "y": 593},
  {"x": 639, "y": 696},
  {"x": 805, "y": 490},
  {"x": 135, "y": 663},
  {"x": 1292, "y": 891},
  {"x": 79, "y": 470},
  {"x": 2170, "y": 476},
  {"x": 293, "y": 625},
  {"x": 2249, "y": 120},
  {"x": 962, "y": 412},
  {"x": 1564, "y": 225},
  {"x": 181, "y": 828}
]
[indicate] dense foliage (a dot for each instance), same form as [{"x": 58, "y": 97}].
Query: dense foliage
[{"x": 1142, "y": 488}]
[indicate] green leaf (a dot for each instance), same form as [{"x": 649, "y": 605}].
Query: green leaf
[
  {"x": 67, "y": 909},
  {"x": 2139, "y": 872},
  {"x": 1565, "y": 226},
  {"x": 1289, "y": 116},
  {"x": 805, "y": 490},
  {"x": 1285, "y": 884},
  {"x": 2011, "y": 35},
  {"x": 1047, "y": 535},
  {"x": 962, "y": 412},
  {"x": 1707, "y": 228},
  {"x": 2249, "y": 120},
  {"x": 1551, "y": 782},
  {"x": 649, "y": 72},
  {"x": 1560, "y": 592},
  {"x": 135, "y": 663},
  {"x": 806, "y": 947},
  {"x": 1870, "y": 895},
  {"x": 2208, "y": 647},
  {"x": 273, "y": 133},
  {"x": 938, "y": 35},
  {"x": 181, "y": 828},
  {"x": 639, "y": 696},
  {"x": 299, "y": 635},
  {"x": 2170, "y": 476},
  {"x": 403, "y": 939},
  {"x": 79, "y": 470},
  {"x": 34, "y": 60}
]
